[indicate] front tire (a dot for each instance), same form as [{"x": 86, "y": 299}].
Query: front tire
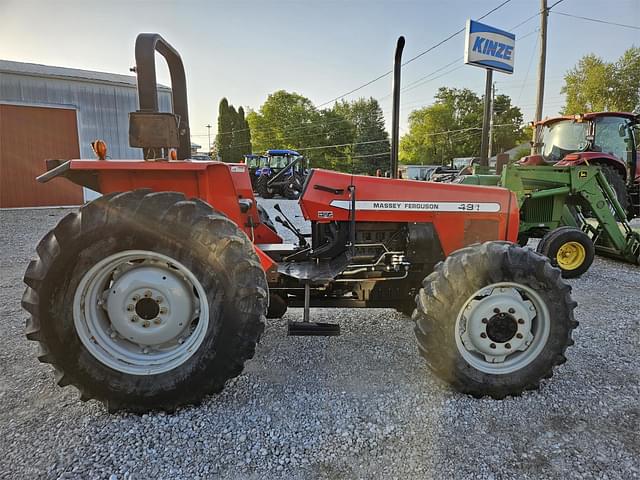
[
  {"x": 569, "y": 249},
  {"x": 262, "y": 187},
  {"x": 145, "y": 300},
  {"x": 494, "y": 319}
]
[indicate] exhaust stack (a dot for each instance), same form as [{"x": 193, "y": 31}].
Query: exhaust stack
[{"x": 395, "y": 118}]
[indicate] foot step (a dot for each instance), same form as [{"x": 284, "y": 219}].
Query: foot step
[{"x": 313, "y": 329}]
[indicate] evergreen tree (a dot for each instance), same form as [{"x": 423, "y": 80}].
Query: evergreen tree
[
  {"x": 225, "y": 128},
  {"x": 241, "y": 134},
  {"x": 234, "y": 153}
]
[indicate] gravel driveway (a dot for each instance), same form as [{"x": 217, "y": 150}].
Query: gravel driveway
[{"x": 361, "y": 405}]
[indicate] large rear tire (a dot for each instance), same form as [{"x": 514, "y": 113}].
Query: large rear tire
[
  {"x": 145, "y": 300},
  {"x": 494, "y": 319},
  {"x": 616, "y": 180}
]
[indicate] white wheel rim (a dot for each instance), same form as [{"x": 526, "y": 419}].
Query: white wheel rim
[
  {"x": 140, "y": 312},
  {"x": 502, "y": 328}
]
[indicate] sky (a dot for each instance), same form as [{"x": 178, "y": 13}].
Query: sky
[{"x": 246, "y": 49}]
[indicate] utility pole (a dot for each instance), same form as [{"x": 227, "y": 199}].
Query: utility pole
[
  {"x": 542, "y": 61},
  {"x": 484, "y": 146},
  {"x": 493, "y": 98},
  {"x": 209, "y": 135}
]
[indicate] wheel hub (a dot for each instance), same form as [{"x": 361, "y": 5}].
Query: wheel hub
[
  {"x": 502, "y": 327},
  {"x": 150, "y": 305},
  {"x": 141, "y": 312},
  {"x": 496, "y": 323},
  {"x": 571, "y": 255}
]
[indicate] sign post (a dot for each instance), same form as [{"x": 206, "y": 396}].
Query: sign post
[{"x": 492, "y": 49}]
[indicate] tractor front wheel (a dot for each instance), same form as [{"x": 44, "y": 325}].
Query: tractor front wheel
[
  {"x": 262, "y": 187},
  {"x": 494, "y": 319},
  {"x": 145, "y": 300},
  {"x": 569, "y": 249}
]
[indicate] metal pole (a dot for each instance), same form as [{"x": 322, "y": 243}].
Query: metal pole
[
  {"x": 395, "y": 116},
  {"x": 542, "y": 61},
  {"x": 209, "y": 135},
  {"x": 484, "y": 148},
  {"x": 493, "y": 95}
]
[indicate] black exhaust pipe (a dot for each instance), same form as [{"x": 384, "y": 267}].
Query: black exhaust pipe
[
  {"x": 146, "y": 46},
  {"x": 395, "y": 118}
]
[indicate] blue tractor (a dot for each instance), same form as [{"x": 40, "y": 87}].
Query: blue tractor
[{"x": 280, "y": 172}]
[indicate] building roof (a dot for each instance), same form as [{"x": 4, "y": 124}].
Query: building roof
[{"x": 38, "y": 70}]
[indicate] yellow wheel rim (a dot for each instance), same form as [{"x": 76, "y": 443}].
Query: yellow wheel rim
[{"x": 571, "y": 255}]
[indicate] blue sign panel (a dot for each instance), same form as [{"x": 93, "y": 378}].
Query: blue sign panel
[{"x": 489, "y": 47}]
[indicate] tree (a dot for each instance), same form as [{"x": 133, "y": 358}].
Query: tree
[
  {"x": 234, "y": 138},
  {"x": 371, "y": 147},
  {"x": 224, "y": 137},
  {"x": 288, "y": 120},
  {"x": 452, "y": 127},
  {"x": 596, "y": 85},
  {"x": 242, "y": 134}
]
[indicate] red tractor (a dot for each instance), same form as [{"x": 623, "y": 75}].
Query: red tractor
[
  {"x": 155, "y": 294},
  {"x": 607, "y": 139}
]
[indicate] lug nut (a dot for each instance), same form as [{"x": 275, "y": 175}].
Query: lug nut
[
  {"x": 163, "y": 310},
  {"x": 496, "y": 310},
  {"x": 145, "y": 350},
  {"x": 521, "y": 321},
  {"x": 159, "y": 300},
  {"x": 483, "y": 335},
  {"x": 129, "y": 308},
  {"x": 146, "y": 324},
  {"x": 134, "y": 319},
  {"x": 135, "y": 298},
  {"x": 518, "y": 335},
  {"x": 113, "y": 335},
  {"x": 147, "y": 294},
  {"x": 484, "y": 320},
  {"x": 507, "y": 345},
  {"x": 512, "y": 310},
  {"x": 493, "y": 345},
  {"x": 157, "y": 321}
]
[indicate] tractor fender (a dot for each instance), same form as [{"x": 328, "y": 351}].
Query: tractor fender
[{"x": 594, "y": 158}]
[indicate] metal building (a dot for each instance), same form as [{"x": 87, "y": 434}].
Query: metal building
[{"x": 54, "y": 112}]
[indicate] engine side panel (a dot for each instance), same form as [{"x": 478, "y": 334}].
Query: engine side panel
[{"x": 461, "y": 214}]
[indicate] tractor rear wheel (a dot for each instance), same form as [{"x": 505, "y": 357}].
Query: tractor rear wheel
[
  {"x": 569, "y": 249},
  {"x": 145, "y": 300},
  {"x": 617, "y": 183},
  {"x": 262, "y": 187},
  {"x": 494, "y": 319}
]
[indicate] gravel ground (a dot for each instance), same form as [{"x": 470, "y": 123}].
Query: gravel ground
[{"x": 361, "y": 405}]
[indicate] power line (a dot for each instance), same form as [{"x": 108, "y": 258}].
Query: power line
[
  {"x": 408, "y": 87},
  {"x": 424, "y": 52},
  {"x": 598, "y": 20}
]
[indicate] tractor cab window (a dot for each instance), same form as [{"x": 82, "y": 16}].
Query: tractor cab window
[
  {"x": 613, "y": 136},
  {"x": 563, "y": 137},
  {"x": 279, "y": 161}
]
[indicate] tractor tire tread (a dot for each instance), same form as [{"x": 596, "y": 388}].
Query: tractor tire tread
[
  {"x": 459, "y": 276},
  {"x": 145, "y": 206}
]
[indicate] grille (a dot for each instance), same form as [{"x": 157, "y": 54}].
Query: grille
[{"x": 539, "y": 210}]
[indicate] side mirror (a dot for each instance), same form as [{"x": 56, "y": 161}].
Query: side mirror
[{"x": 622, "y": 130}]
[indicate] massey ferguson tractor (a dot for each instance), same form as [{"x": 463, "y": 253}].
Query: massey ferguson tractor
[{"x": 155, "y": 294}]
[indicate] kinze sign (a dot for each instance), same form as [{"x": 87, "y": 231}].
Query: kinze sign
[{"x": 489, "y": 47}]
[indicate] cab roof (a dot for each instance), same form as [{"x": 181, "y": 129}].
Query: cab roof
[{"x": 590, "y": 116}]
